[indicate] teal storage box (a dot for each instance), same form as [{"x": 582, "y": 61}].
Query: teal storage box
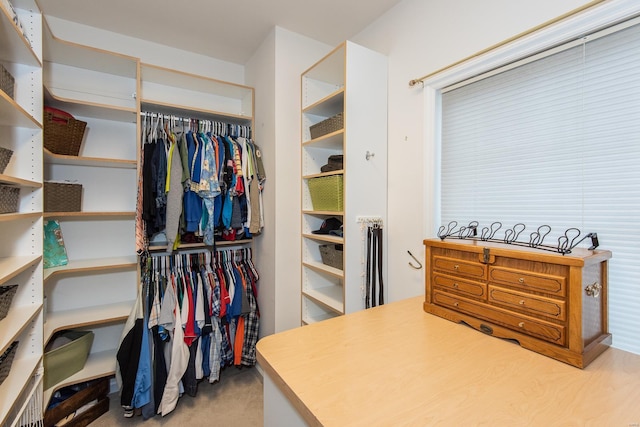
[{"x": 65, "y": 354}]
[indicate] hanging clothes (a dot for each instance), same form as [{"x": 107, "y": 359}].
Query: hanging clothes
[
  {"x": 219, "y": 192},
  {"x": 197, "y": 313}
]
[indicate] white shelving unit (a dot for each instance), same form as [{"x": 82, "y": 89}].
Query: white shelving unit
[
  {"x": 97, "y": 288},
  {"x": 21, "y": 232},
  {"x": 351, "y": 80}
]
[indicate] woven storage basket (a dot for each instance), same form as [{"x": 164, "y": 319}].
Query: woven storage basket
[
  {"x": 62, "y": 197},
  {"x": 326, "y": 193},
  {"x": 6, "y": 359},
  {"x": 62, "y": 133},
  {"x": 329, "y": 125},
  {"x": 6, "y": 296},
  {"x": 6, "y": 82},
  {"x": 5, "y": 156},
  {"x": 9, "y": 198},
  {"x": 332, "y": 255}
]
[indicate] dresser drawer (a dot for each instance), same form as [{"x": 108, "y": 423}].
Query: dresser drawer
[
  {"x": 462, "y": 286},
  {"x": 528, "y": 304},
  {"x": 528, "y": 281},
  {"x": 537, "y": 328},
  {"x": 459, "y": 267}
]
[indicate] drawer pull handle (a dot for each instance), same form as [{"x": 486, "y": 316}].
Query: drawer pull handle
[
  {"x": 486, "y": 329},
  {"x": 455, "y": 285},
  {"x": 455, "y": 267},
  {"x": 521, "y": 280},
  {"x": 456, "y": 304},
  {"x": 521, "y": 324},
  {"x": 521, "y": 302},
  {"x": 593, "y": 290}
]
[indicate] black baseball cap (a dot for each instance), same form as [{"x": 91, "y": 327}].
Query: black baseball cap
[{"x": 328, "y": 225}]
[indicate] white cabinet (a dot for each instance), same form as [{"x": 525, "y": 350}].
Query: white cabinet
[
  {"x": 351, "y": 80},
  {"x": 96, "y": 289},
  {"x": 21, "y": 232}
]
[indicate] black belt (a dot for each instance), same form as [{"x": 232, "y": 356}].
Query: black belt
[{"x": 374, "y": 267}]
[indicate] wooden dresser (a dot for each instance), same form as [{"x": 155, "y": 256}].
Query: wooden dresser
[{"x": 550, "y": 303}]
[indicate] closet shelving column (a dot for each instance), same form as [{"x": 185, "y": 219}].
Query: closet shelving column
[
  {"x": 21, "y": 232},
  {"x": 351, "y": 80},
  {"x": 96, "y": 289},
  {"x": 186, "y": 95}
]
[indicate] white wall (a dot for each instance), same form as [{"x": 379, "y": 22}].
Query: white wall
[
  {"x": 421, "y": 37},
  {"x": 274, "y": 71}
]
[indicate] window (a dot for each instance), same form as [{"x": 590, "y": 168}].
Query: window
[{"x": 554, "y": 140}]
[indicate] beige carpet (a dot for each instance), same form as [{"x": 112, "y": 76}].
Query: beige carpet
[{"x": 236, "y": 400}]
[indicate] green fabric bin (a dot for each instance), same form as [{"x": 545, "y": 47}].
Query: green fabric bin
[{"x": 66, "y": 354}]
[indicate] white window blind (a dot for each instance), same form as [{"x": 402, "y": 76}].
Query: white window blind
[{"x": 556, "y": 142}]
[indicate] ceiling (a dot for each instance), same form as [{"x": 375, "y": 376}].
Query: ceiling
[{"x": 230, "y": 30}]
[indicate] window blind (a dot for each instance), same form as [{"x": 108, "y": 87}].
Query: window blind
[{"x": 555, "y": 141}]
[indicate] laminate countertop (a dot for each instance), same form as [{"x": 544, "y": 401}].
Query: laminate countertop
[{"x": 396, "y": 365}]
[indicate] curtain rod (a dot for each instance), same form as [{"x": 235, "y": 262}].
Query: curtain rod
[{"x": 546, "y": 24}]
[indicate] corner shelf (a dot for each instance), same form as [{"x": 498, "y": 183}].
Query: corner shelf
[
  {"x": 91, "y": 265},
  {"x": 61, "y": 159}
]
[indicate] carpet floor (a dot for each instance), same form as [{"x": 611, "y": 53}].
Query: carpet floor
[{"x": 236, "y": 400}]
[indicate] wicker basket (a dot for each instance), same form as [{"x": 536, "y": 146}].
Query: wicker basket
[
  {"x": 6, "y": 82},
  {"x": 5, "y": 156},
  {"x": 329, "y": 125},
  {"x": 9, "y": 199},
  {"x": 6, "y": 359},
  {"x": 62, "y": 133},
  {"x": 332, "y": 255},
  {"x": 326, "y": 193},
  {"x": 62, "y": 197},
  {"x": 6, "y": 296}
]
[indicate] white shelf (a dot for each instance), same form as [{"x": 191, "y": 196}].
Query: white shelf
[
  {"x": 193, "y": 82},
  {"x": 17, "y": 320},
  {"x": 88, "y": 265},
  {"x": 332, "y": 141},
  {"x": 6, "y": 179},
  {"x": 70, "y": 101},
  {"x": 330, "y": 296},
  {"x": 19, "y": 216},
  {"x": 184, "y": 94},
  {"x": 14, "y": 47},
  {"x": 86, "y": 57},
  {"x": 328, "y": 106},
  {"x": 22, "y": 370},
  {"x": 84, "y": 214},
  {"x": 12, "y": 114},
  {"x": 61, "y": 159},
  {"x": 329, "y": 238},
  {"x": 86, "y": 316},
  {"x": 318, "y": 266},
  {"x": 98, "y": 365},
  {"x": 12, "y": 266}
]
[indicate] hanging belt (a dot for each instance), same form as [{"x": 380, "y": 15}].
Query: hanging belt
[
  {"x": 378, "y": 230},
  {"x": 368, "y": 271}
]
